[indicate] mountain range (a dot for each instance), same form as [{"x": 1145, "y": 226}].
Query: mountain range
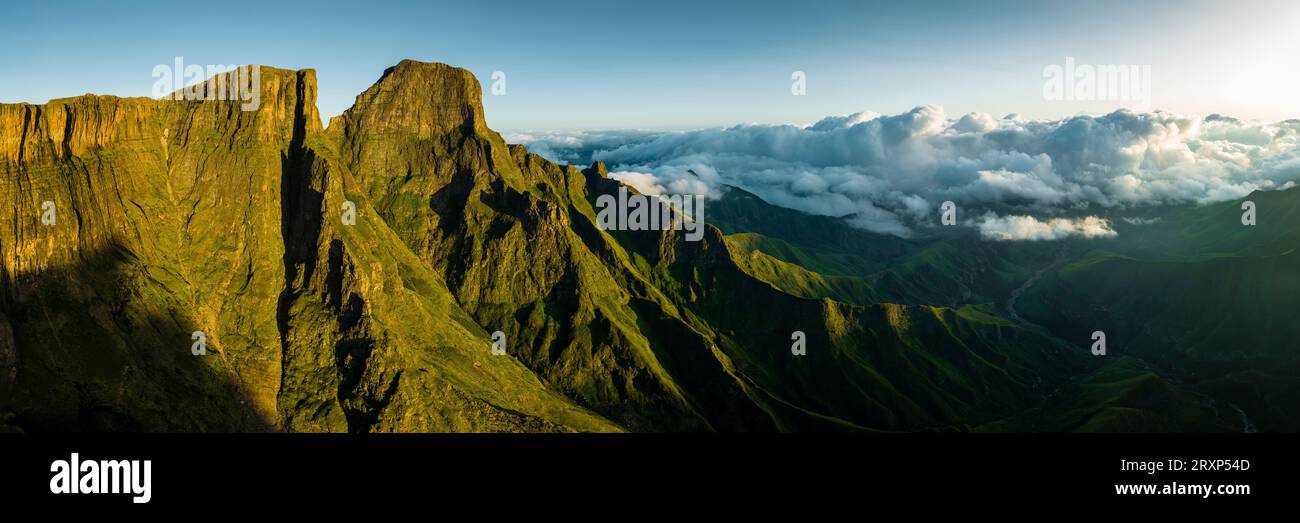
[{"x": 175, "y": 218}]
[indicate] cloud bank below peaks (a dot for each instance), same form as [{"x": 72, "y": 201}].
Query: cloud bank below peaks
[{"x": 889, "y": 173}]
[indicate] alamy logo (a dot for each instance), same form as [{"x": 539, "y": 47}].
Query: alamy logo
[
  {"x": 1086, "y": 82},
  {"x": 214, "y": 82},
  {"x": 948, "y": 213},
  {"x": 102, "y": 477},
  {"x": 200, "y": 345},
  {"x": 638, "y": 212},
  {"x": 1098, "y": 343},
  {"x": 498, "y": 343},
  {"x": 498, "y": 83},
  {"x": 48, "y": 213},
  {"x": 349, "y": 213}
]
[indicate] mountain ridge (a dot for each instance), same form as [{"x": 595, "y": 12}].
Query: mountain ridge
[{"x": 180, "y": 216}]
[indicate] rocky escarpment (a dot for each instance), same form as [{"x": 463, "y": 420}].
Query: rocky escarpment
[
  {"x": 162, "y": 221},
  {"x": 178, "y": 217}
]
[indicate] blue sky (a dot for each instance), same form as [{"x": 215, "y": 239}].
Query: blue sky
[{"x": 674, "y": 65}]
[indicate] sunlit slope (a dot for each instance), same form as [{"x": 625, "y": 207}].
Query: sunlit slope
[
  {"x": 646, "y": 328},
  {"x": 184, "y": 217},
  {"x": 144, "y": 249}
]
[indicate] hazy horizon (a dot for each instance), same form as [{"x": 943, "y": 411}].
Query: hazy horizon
[{"x": 599, "y": 67}]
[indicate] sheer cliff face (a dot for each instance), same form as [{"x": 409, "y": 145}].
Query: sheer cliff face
[
  {"x": 165, "y": 221},
  {"x": 176, "y": 217},
  {"x": 183, "y": 217}
]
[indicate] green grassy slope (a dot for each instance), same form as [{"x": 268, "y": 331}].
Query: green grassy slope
[
  {"x": 822, "y": 256},
  {"x": 1202, "y": 299},
  {"x": 1124, "y": 395},
  {"x": 1197, "y": 295}
]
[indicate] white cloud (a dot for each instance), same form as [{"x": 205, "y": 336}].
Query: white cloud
[
  {"x": 1007, "y": 228},
  {"x": 575, "y": 147},
  {"x": 888, "y": 173},
  {"x": 975, "y": 123},
  {"x": 644, "y": 183}
]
